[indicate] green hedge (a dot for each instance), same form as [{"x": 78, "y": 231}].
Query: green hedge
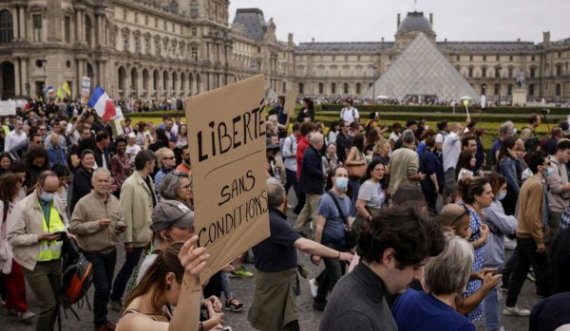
[{"x": 365, "y": 109}]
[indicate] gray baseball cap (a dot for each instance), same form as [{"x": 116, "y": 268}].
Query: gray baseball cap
[{"x": 169, "y": 213}]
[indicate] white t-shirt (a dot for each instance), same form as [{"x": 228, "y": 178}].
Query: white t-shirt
[
  {"x": 132, "y": 151},
  {"x": 372, "y": 193},
  {"x": 394, "y": 137},
  {"x": 14, "y": 139},
  {"x": 451, "y": 150},
  {"x": 349, "y": 115}
]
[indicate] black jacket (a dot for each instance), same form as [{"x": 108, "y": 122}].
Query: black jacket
[{"x": 312, "y": 175}]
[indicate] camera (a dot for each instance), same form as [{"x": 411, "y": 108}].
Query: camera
[{"x": 545, "y": 111}]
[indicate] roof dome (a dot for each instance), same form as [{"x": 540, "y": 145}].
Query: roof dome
[{"x": 415, "y": 21}]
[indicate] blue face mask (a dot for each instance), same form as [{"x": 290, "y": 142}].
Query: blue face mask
[
  {"x": 46, "y": 197},
  {"x": 548, "y": 172},
  {"x": 341, "y": 183}
]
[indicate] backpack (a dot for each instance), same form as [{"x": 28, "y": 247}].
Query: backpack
[{"x": 77, "y": 276}]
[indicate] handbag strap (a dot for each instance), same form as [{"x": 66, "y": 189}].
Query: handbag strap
[
  {"x": 338, "y": 207},
  {"x": 5, "y": 208}
]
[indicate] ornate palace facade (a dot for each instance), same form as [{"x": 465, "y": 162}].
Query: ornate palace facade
[{"x": 177, "y": 48}]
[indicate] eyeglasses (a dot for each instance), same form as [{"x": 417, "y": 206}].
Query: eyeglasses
[
  {"x": 168, "y": 158},
  {"x": 465, "y": 212},
  {"x": 187, "y": 187}
]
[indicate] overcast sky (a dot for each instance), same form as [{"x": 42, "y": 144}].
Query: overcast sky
[{"x": 456, "y": 20}]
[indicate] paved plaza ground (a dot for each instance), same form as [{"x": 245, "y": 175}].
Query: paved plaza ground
[{"x": 243, "y": 289}]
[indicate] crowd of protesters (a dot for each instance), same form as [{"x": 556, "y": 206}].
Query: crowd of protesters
[{"x": 424, "y": 216}]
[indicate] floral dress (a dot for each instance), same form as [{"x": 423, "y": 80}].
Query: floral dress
[{"x": 474, "y": 285}]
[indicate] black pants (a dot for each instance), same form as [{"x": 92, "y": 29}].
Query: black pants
[
  {"x": 103, "y": 271},
  {"x": 291, "y": 182},
  {"x": 527, "y": 256},
  {"x": 125, "y": 273},
  {"x": 334, "y": 269}
]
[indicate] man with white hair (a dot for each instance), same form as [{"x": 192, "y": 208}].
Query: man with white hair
[
  {"x": 97, "y": 222},
  {"x": 311, "y": 182}
]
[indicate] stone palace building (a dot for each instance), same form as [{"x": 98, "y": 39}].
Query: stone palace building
[{"x": 177, "y": 48}]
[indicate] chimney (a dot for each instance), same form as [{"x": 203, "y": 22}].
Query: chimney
[
  {"x": 398, "y": 26},
  {"x": 546, "y": 38},
  {"x": 431, "y": 19}
]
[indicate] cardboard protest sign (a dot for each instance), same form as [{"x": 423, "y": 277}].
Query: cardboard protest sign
[
  {"x": 85, "y": 89},
  {"x": 290, "y": 102},
  {"x": 226, "y": 129},
  {"x": 7, "y": 108}
]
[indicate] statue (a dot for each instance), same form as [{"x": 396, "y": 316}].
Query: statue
[{"x": 520, "y": 79}]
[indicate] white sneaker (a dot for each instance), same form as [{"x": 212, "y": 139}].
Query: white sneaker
[
  {"x": 313, "y": 287},
  {"x": 510, "y": 244},
  {"x": 24, "y": 316},
  {"x": 516, "y": 311}
]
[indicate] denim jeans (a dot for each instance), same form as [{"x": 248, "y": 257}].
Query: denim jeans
[
  {"x": 492, "y": 306},
  {"x": 527, "y": 257},
  {"x": 103, "y": 270},
  {"x": 131, "y": 261},
  {"x": 45, "y": 282},
  {"x": 334, "y": 269}
]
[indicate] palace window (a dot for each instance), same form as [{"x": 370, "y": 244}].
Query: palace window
[
  {"x": 37, "y": 24},
  {"x": 6, "y": 26},
  {"x": 301, "y": 88},
  {"x": 194, "y": 53},
  {"x": 358, "y": 88},
  {"x": 321, "y": 88},
  {"x": 532, "y": 72},
  {"x": 67, "y": 29},
  {"x": 345, "y": 88},
  {"x": 333, "y": 88},
  {"x": 194, "y": 9}
]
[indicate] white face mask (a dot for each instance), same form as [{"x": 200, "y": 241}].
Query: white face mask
[{"x": 501, "y": 195}]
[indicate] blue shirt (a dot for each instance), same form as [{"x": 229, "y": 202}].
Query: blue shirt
[
  {"x": 415, "y": 310},
  {"x": 277, "y": 253},
  {"x": 334, "y": 225}
]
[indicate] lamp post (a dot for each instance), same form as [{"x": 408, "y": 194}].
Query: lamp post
[{"x": 375, "y": 68}]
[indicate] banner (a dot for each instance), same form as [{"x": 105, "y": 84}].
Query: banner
[
  {"x": 85, "y": 89},
  {"x": 7, "y": 108},
  {"x": 227, "y": 148},
  {"x": 290, "y": 102}
]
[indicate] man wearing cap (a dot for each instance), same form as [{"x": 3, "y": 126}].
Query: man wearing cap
[
  {"x": 97, "y": 221},
  {"x": 349, "y": 114},
  {"x": 172, "y": 221}
]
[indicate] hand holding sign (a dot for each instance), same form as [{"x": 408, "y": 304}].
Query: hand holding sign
[{"x": 227, "y": 141}]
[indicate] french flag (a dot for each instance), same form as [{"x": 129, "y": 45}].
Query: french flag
[{"x": 102, "y": 104}]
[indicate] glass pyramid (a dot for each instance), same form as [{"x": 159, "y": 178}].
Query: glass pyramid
[{"x": 421, "y": 70}]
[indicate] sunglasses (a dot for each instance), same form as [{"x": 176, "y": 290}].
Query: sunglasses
[{"x": 168, "y": 158}]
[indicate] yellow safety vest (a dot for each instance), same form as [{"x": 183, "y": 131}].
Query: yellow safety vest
[{"x": 51, "y": 250}]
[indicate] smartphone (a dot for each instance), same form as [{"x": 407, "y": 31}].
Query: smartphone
[{"x": 62, "y": 235}]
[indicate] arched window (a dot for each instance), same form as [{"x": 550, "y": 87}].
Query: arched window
[
  {"x": 182, "y": 82},
  {"x": 358, "y": 88},
  {"x": 198, "y": 83},
  {"x": 134, "y": 79},
  {"x": 155, "y": 78},
  {"x": 7, "y": 81},
  {"x": 558, "y": 90},
  {"x": 174, "y": 81},
  {"x": 165, "y": 81},
  {"x": 122, "y": 78},
  {"x": 531, "y": 90},
  {"x": 6, "y": 26},
  {"x": 145, "y": 79},
  {"x": 345, "y": 88}
]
